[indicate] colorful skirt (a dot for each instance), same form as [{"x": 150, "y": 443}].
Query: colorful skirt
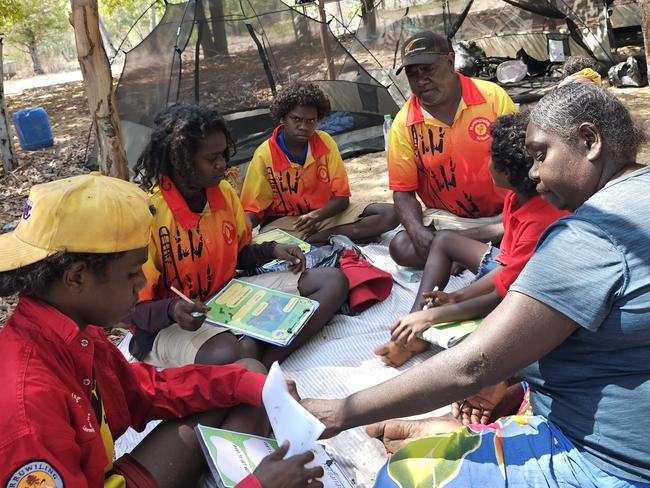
[{"x": 515, "y": 451}]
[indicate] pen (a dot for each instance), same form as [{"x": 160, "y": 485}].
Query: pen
[
  {"x": 430, "y": 302},
  {"x": 184, "y": 297}
]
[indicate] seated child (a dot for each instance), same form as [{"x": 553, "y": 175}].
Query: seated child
[
  {"x": 580, "y": 69},
  {"x": 200, "y": 236},
  {"x": 297, "y": 182},
  {"x": 525, "y": 216},
  {"x": 66, "y": 392}
]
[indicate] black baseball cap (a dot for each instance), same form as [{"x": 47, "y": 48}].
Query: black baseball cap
[{"x": 423, "y": 47}]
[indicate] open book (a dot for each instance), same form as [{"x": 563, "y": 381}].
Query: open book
[
  {"x": 281, "y": 237},
  {"x": 448, "y": 334},
  {"x": 261, "y": 313},
  {"x": 233, "y": 455}
]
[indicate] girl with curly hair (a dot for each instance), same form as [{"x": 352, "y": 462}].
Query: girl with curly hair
[
  {"x": 200, "y": 237},
  {"x": 525, "y": 216},
  {"x": 297, "y": 182}
]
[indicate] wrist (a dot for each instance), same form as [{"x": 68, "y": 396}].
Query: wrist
[{"x": 171, "y": 310}]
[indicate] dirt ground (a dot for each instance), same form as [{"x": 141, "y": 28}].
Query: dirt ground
[{"x": 66, "y": 106}]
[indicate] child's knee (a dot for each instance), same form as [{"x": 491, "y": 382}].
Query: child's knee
[
  {"x": 252, "y": 365},
  {"x": 442, "y": 239},
  {"x": 324, "y": 281}
]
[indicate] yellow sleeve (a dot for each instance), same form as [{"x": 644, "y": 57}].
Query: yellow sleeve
[
  {"x": 503, "y": 104},
  {"x": 244, "y": 233},
  {"x": 339, "y": 183},
  {"x": 151, "y": 273},
  {"x": 257, "y": 194},
  {"x": 402, "y": 169}
]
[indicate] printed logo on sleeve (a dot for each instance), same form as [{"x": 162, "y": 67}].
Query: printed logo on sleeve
[
  {"x": 479, "y": 129},
  {"x": 35, "y": 474},
  {"x": 228, "y": 231},
  {"x": 323, "y": 174}
]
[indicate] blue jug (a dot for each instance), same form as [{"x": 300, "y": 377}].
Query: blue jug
[{"x": 33, "y": 128}]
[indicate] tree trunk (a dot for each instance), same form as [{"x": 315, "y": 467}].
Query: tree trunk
[
  {"x": 645, "y": 27},
  {"x": 6, "y": 145},
  {"x": 218, "y": 27},
  {"x": 36, "y": 60},
  {"x": 152, "y": 19},
  {"x": 107, "y": 38},
  {"x": 98, "y": 81},
  {"x": 369, "y": 16},
  {"x": 324, "y": 40}
]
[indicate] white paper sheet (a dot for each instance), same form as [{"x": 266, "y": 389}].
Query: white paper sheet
[{"x": 289, "y": 420}]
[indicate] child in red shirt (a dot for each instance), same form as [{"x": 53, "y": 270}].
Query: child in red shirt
[
  {"x": 66, "y": 392},
  {"x": 525, "y": 216}
]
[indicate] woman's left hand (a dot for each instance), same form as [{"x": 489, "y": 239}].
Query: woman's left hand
[{"x": 292, "y": 254}]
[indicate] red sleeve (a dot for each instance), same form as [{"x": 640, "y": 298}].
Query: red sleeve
[
  {"x": 516, "y": 260},
  {"x": 249, "y": 482},
  {"x": 178, "y": 392}
]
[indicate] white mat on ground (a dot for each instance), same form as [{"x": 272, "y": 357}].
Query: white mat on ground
[{"x": 340, "y": 361}]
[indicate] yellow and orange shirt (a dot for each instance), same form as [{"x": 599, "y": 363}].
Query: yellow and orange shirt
[
  {"x": 448, "y": 166},
  {"x": 194, "y": 252},
  {"x": 275, "y": 187}
]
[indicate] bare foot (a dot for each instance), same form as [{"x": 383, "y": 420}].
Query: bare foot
[
  {"x": 394, "y": 354},
  {"x": 397, "y": 433}
]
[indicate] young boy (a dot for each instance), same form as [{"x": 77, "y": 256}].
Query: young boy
[
  {"x": 296, "y": 180},
  {"x": 525, "y": 216},
  {"x": 66, "y": 392}
]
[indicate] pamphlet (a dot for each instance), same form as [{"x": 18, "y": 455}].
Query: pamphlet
[
  {"x": 281, "y": 237},
  {"x": 268, "y": 315},
  {"x": 448, "y": 334},
  {"x": 232, "y": 456}
]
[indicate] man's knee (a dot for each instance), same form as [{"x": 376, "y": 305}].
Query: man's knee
[
  {"x": 401, "y": 247},
  {"x": 252, "y": 365}
]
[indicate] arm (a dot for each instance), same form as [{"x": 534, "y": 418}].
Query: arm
[
  {"x": 491, "y": 354},
  {"x": 407, "y": 328},
  {"x": 253, "y": 219},
  {"x": 490, "y": 232},
  {"x": 307, "y": 223},
  {"x": 409, "y": 211},
  {"x": 482, "y": 286},
  {"x": 255, "y": 255}
]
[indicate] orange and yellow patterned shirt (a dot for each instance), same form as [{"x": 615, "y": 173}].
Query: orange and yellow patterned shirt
[
  {"x": 448, "y": 166},
  {"x": 194, "y": 252},
  {"x": 275, "y": 187}
]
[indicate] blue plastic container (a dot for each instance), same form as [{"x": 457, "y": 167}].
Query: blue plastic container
[{"x": 33, "y": 128}]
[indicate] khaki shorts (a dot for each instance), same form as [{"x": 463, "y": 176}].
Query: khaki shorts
[
  {"x": 443, "y": 220},
  {"x": 349, "y": 216},
  {"x": 174, "y": 346}
]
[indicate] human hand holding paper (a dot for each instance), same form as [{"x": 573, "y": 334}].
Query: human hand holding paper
[{"x": 289, "y": 420}]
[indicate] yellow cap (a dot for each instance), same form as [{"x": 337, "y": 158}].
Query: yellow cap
[
  {"x": 590, "y": 74},
  {"x": 89, "y": 213}
]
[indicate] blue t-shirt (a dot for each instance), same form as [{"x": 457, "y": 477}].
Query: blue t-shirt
[
  {"x": 289, "y": 154},
  {"x": 594, "y": 267}
]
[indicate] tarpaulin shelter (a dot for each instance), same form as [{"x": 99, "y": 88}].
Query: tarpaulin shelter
[
  {"x": 234, "y": 55},
  {"x": 543, "y": 28}
]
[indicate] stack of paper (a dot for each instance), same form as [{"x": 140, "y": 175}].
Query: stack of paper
[{"x": 448, "y": 334}]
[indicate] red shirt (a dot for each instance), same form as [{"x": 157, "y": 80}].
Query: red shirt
[
  {"x": 522, "y": 227},
  {"x": 48, "y": 423}
]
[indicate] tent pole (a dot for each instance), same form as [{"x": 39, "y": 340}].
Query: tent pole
[
  {"x": 324, "y": 40},
  {"x": 645, "y": 27}
]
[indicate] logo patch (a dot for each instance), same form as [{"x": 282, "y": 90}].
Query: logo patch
[
  {"x": 228, "y": 231},
  {"x": 410, "y": 48},
  {"x": 479, "y": 129},
  {"x": 35, "y": 473},
  {"x": 27, "y": 209},
  {"x": 323, "y": 174}
]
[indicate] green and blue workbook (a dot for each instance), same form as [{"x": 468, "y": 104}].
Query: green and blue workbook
[
  {"x": 448, "y": 334},
  {"x": 259, "y": 312}
]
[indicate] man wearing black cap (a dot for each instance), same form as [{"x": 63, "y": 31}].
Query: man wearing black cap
[{"x": 439, "y": 149}]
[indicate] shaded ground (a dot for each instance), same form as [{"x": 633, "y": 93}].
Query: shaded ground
[{"x": 70, "y": 121}]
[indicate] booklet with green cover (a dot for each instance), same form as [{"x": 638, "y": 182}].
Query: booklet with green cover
[
  {"x": 261, "y": 313},
  {"x": 448, "y": 334},
  {"x": 232, "y": 456},
  {"x": 281, "y": 237}
]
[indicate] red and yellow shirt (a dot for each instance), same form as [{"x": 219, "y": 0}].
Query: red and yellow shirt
[
  {"x": 448, "y": 166},
  {"x": 275, "y": 187},
  {"x": 522, "y": 225},
  {"x": 194, "y": 252}
]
